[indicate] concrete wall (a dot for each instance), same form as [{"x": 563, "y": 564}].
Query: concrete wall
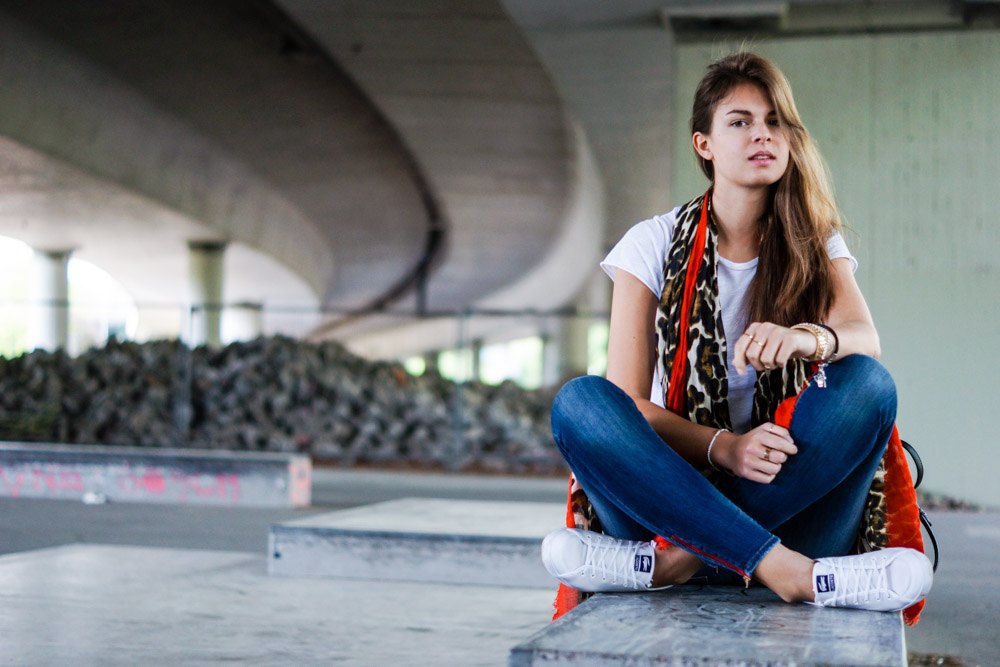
[{"x": 907, "y": 125}]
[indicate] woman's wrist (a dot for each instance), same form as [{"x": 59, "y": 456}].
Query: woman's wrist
[
  {"x": 712, "y": 463},
  {"x": 721, "y": 450},
  {"x": 824, "y": 341},
  {"x": 810, "y": 344}
]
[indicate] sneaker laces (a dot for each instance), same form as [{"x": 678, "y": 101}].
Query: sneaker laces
[
  {"x": 604, "y": 558},
  {"x": 857, "y": 577}
]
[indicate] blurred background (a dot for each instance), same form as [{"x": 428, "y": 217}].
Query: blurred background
[{"x": 429, "y": 186}]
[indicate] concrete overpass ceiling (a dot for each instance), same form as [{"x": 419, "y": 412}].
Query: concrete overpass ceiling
[
  {"x": 611, "y": 62},
  {"x": 761, "y": 17},
  {"x": 53, "y": 206},
  {"x": 467, "y": 94},
  {"x": 230, "y": 123}
]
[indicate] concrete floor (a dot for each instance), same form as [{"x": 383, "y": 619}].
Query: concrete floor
[
  {"x": 116, "y": 605},
  {"x": 962, "y": 614},
  {"x": 961, "y": 617}
]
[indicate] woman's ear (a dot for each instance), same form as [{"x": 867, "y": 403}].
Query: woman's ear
[{"x": 701, "y": 145}]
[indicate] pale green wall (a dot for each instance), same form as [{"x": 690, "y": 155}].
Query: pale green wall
[{"x": 910, "y": 127}]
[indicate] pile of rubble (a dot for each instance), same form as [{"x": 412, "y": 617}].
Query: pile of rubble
[{"x": 274, "y": 394}]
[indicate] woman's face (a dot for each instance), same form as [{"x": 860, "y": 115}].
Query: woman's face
[{"x": 746, "y": 145}]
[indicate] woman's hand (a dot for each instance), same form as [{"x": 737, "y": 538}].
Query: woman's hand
[
  {"x": 758, "y": 454},
  {"x": 765, "y": 345}
]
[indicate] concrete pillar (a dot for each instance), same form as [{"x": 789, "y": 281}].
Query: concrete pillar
[
  {"x": 244, "y": 321},
  {"x": 564, "y": 351},
  {"x": 431, "y": 362},
  {"x": 476, "y": 350},
  {"x": 205, "y": 286},
  {"x": 48, "y": 293},
  {"x": 565, "y": 354}
]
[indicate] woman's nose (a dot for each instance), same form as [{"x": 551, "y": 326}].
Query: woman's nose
[{"x": 762, "y": 134}]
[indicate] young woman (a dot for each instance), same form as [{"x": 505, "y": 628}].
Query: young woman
[{"x": 740, "y": 311}]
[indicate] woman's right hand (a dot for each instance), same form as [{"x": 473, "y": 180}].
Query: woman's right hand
[{"x": 758, "y": 454}]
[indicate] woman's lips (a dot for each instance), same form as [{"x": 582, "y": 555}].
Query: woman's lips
[{"x": 762, "y": 156}]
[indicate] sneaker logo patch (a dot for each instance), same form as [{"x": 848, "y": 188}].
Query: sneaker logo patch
[
  {"x": 825, "y": 583},
  {"x": 643, "y": 563}
]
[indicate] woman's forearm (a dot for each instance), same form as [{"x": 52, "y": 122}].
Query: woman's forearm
[
  {"x": 850, "y": 316},
  {"x": 856, "y": 337},
  {"x": 688, "y": 439}
]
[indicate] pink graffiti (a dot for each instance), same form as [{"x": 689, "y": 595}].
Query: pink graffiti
[
  {"x": 300, "y": 472},
  {"x": 59, "y": 480},
  {"x": 156, "y": 481},
  {"x": 207, "y": 486},
  {"x": 52, "y": 478}
]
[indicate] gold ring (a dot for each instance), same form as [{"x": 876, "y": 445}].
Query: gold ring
[
  {"x": 747, "y": 333},
  {"x": 767, "y": 454},
  {"x": 758, "y": 342}
]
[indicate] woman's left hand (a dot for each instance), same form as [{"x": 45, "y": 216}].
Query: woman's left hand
[{"x": 765, "y": 345}]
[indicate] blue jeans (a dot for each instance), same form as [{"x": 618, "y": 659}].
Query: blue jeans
[{"x": 640, "y": 487}]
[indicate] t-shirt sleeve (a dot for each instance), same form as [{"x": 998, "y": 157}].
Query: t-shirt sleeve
[
  {"x": 642, "y": 250},
  {"x": 836, "y": 247}
]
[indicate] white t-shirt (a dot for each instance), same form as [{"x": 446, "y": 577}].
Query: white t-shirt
[{"x": 642, "y": 252}]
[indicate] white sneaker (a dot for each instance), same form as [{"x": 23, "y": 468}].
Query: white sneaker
[
  {"x": 595, "y": 563},
  {"x": 885, "y": 580}
]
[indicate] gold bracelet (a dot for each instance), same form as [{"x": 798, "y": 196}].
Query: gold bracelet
[{"x": 822, "y": 339}]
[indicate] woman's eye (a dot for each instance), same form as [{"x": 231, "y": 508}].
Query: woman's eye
[
  {"x": 738, "y": 123},
  {"x": 774, "y": 122}
]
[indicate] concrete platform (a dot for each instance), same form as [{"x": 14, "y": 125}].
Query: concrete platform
[
  {"x": 110, "y": 605},
  {"x": 420, "y": 539},
  {"x": 688, "y": 625},
  {"x": 148, "y": 475}
]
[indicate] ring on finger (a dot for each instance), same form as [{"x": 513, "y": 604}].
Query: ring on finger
[
  {"x": 760, "y": 343},
  {"x": 767, "y": 454}
]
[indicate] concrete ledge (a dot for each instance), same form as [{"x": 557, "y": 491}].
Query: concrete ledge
[
  {"x": 689, "y": 625},
  {"x": 421, "y": 540},
  {"x": 138, "y": 474}
]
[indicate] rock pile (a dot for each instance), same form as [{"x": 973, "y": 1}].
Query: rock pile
[{"x": 274, "y": 394}]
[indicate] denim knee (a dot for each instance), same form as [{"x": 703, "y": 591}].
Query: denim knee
[
  {"x": 867, "y": 375},
  {"x": 577, "y": 399}
]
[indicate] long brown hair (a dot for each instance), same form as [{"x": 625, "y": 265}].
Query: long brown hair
[{"x": 794, "y": 280}]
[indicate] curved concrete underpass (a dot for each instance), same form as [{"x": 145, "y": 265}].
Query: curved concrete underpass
[{"x": 334, "y": 148}]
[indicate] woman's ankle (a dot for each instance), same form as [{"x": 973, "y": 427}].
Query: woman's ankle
[
  {"x": 787, "y": 573},
  {"x": 673, "y": 566}
]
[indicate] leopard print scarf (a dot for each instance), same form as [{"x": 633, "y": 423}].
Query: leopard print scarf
[{"x": 691, "y": 340}]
